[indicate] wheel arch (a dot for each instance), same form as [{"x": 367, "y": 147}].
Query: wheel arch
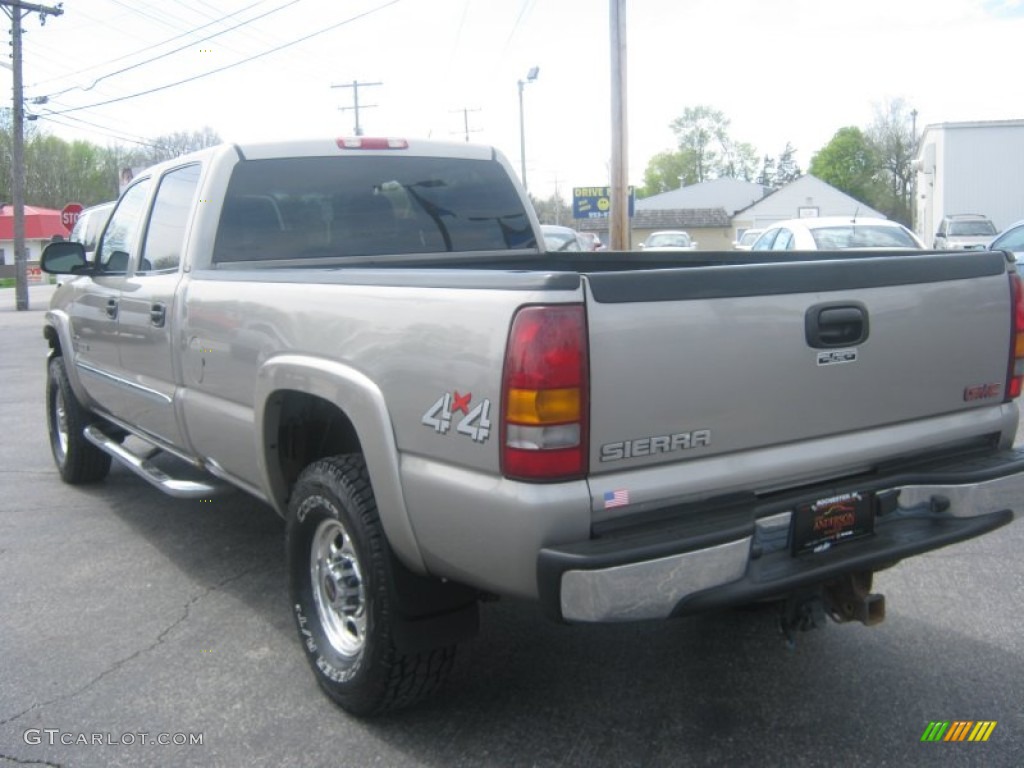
[
  {"x": 57, "y": 332},
  {"x": 309, "y": 408}
]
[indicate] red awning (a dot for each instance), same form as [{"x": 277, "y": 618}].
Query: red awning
[{"x": 40, "y": 223}]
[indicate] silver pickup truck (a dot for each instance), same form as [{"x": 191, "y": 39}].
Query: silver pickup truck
[{"x": 369, "y": 336}]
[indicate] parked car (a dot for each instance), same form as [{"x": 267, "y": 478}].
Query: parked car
[
  {"x": 593, "y": 240},
  {"x": 669, "y": 240},
  {"x": 89, "y": 225},
  {"x": 836, "y": 233},
  {"x": 87, "y": 230},
  {"x": 744, "y": 241},
  {"x": 965, "y": 231},
  {"x": 559, "y": 238},
  {"x": 1010, "y": 239}
]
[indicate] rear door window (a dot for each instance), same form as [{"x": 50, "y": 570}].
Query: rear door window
[{"x": 165, "y": 235}]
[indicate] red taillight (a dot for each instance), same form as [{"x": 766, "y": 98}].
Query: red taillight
[
  {"x": 1015, "y": 375},
  {"x": 372, "y": 142},
  {"x": 545, "y": 394}
]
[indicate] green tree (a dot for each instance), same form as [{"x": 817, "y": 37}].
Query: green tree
[
  {"x": 786, "y": 167},
  {"x": 895, "y": 146},
  {"x": 171, "y": 145},
  {"x": 849, "y": 163},
  {"x": 704, "y": 151},
  {"x": 739, "y": 161},
  {"x": 702, "y": 134},
  {"x": 666, "y": 171}
]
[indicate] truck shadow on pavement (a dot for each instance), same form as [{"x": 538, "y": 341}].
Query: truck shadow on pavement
[{"x": 713, "y": 689}]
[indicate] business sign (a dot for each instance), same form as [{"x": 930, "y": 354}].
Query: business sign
[{"x": 595, "y": 202}]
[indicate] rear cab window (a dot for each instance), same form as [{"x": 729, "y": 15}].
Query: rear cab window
[{"x": 316, "y": 207}]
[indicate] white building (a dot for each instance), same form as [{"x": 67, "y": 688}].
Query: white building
[
  {"x": 805, "y": 197},
  {"x": 974, "y": 167}
]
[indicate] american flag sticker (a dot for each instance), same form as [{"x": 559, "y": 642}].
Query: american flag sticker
[{"x": 616, "y": 499}]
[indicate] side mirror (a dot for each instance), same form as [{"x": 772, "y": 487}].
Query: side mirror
[
  {"x": 64, "y": 258},
  {"x": 641, "y": 246}
]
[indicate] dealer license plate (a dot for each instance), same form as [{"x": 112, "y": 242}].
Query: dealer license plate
[{"x": 827, "y": 522}]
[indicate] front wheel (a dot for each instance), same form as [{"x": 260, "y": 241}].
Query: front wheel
[
  {"x": 341, "y": 584},
  {"x": 78, "y": 460}
]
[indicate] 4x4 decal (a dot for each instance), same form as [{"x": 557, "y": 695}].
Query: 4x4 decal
[{"x": 474, "y": 423}]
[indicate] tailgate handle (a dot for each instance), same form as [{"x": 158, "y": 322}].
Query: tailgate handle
[{"x": 836, "y": 325}]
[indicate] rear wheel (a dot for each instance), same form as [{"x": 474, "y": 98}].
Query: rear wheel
[
  {"x": 341, "y": 580},
  {"x": 78, "y": 460}
]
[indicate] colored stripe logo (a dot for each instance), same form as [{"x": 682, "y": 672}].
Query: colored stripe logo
[{"x": 959, "y": 730}]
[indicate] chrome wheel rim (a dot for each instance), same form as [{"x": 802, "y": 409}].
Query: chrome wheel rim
[
  {"x": 338, "y": 587},
  {"x": 60, "y": 423}
]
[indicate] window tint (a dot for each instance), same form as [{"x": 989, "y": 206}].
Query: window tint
[
  {"x": 669, "y": 240},
  {"x": 976, "y": 228},
  {"x": 364, "y": 206},
  {"x": 87, "y": 228},
  {"x": 783, "y": 241},
  {"x": 118, "y": 242},
  {"x": 165, "y": 234},
  {"x": 1011, "y": 241},
  {"x": 862, "y": 236},
  {"x": 764, "y": 242}
]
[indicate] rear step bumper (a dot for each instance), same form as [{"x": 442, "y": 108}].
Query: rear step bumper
[
  {"x": 740, "y": 551},
  {"x": 144, "y": 468}
]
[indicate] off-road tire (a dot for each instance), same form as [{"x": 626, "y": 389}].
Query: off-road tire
[
  {"x": 341, "y": 586},
  {"x": 77, "y": 460}
]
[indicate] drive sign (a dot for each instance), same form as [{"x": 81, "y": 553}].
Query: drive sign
[{"x": 69, "y": 215}]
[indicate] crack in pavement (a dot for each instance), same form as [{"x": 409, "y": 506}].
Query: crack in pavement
[
  {"x": 19, "y": 761},
  {"x": 186, "y": 612}
]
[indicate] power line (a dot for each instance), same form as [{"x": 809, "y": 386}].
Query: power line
[
  {"x": 176, "y": 50},
  {"x": 233, "y": 65},
  {"x": 102, "y": 129},
  {"x": 16, "y": 10}
]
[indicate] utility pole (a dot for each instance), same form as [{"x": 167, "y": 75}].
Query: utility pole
[
  {"x": 15, "y": 10},
  {"x": 354, "y": 85},
  {"x": 531, "y": 76},
  {"x": 465, "y": 120},
  {"x": 618, "y": 229},
  {"x": 913, "y": 161}
]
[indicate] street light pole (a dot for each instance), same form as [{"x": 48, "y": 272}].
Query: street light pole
[{"x": 530, "y": 77}]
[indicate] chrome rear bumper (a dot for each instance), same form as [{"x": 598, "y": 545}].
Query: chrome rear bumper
[{"x": 739, "y": 551}]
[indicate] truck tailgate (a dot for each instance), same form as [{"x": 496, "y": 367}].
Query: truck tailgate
[{"x": 693, "y": 363}]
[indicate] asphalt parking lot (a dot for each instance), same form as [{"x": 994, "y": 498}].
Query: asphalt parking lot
[{"x": 130, "y": 618}]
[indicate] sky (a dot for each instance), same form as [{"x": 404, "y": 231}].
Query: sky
[{"x": 780, "y": 70}]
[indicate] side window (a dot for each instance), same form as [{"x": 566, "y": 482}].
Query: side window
[
  {"x": 764, "y": 242},
  {"x": 1011, "y": 241},
  {"x": 118, "y": 242},
  {"x": 783, "y": 241},
  {"x": 165, "y": 235}
]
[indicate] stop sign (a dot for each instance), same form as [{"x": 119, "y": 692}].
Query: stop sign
[{"x": 69, "y": 215}]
